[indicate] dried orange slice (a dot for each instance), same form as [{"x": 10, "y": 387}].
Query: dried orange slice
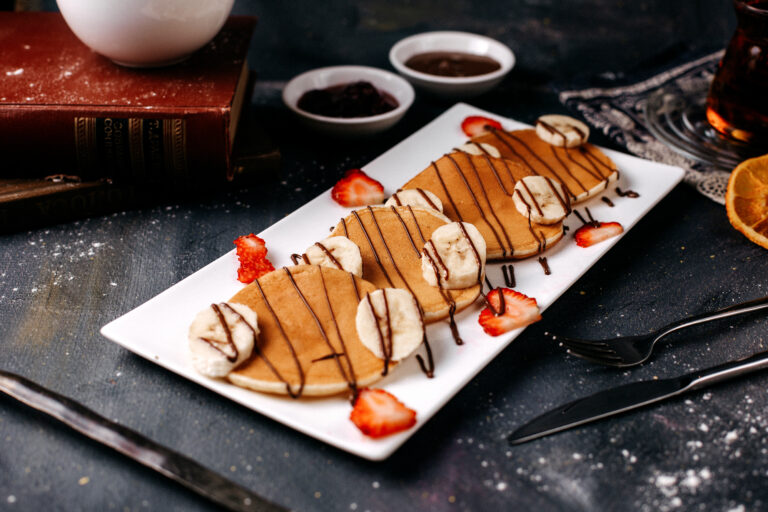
[{"x": 746, "y": 199}]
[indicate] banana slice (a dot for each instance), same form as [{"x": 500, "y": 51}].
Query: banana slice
[
  {"x": 562, "y": 131},
  {"x": 389, "y": 323},
  {"x": 221, "y": 337},
  {"x": 454, "y": 257},
  {"x": 415, "y": 197},
  {"x": 542, "y": 199},
  {"x": 336, "y": 252},
  {"x": 474, "y": 148}
]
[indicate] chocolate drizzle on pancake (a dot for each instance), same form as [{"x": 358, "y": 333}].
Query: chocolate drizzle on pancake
[
  {"x": 492, "y": 165},
  {"x": 327, "y": 356},
  {"x": 445, "y": 296},
  {"x": 407, "y": 232},
  {"x": 597, "y": 169},
  {"x": 447, "y": 194},
  {"x": 349, "y": 377},
  {"x": 370, "y": 244},
  {"x": 302, "y": 377},
  {"x": 477, "y": 203},
  {"x": 297, "y": 259}
]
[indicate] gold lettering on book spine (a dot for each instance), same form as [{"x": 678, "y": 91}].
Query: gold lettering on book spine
[
  {"x": 136, "y": 147},
  {"x": 175, "y": 144},
  {"x": 85, "y": 144},
  {"x": 172, "y": 146}
]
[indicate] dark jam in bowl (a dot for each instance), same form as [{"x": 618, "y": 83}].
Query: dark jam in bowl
[
  {"x": 358, "y": 99},
  {"x": 452, "y": 64}
]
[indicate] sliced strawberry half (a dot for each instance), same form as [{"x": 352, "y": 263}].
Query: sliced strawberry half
[
  {"x": 593, "y": 233},
  {"x": 515, "y": 310},
  {"x": 252, "y": 253},
  {"x": 357, "y": 189},
  {"x": 378, "y": 413},
  {"x": 477, "y": 125}
]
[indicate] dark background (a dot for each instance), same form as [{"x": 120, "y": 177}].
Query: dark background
[{"x": 707, "y": 451}]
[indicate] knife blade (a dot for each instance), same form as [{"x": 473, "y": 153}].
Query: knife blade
[
  {"x": 175, "y": 466},
  {"x": 631, "y": 396}
]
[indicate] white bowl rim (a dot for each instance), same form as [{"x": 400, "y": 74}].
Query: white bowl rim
[
  {"x": 463, "y": 80},
  {"x": 370, "y": 71}
]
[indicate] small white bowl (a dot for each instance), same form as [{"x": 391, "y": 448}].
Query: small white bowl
[
  {"x": 145, "y": 33},
  {"x": 445, "y": 41},
  {"x": 336, "y": 75}
]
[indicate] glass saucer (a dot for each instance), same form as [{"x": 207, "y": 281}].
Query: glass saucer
[{"x": 677, "y": 118}]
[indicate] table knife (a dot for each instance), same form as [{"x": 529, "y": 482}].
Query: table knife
[
  {"x": 631, "y": 396},
  {"x": 175, "y": 466}
]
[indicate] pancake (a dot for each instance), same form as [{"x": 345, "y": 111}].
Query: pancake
[
  {"x": 390, "y": 240},
  {"x": 314, "y": 331},
  {"x": 478, "y": 189},
  {"x": 584, "y": 170}
]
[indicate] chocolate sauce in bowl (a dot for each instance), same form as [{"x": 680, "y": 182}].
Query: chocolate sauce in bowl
[{"x": 455, "y": 64}]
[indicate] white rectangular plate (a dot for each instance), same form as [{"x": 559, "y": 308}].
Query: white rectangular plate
[{"x": 157, "y": 330}]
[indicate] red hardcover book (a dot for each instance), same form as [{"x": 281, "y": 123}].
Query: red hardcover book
[{"x": 65, "y": 109}]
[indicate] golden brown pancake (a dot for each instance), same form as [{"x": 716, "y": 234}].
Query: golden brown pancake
[
  {"x": 299, "y": 340},
  {"x": 584, "y": 170},
  {"x": 390, "y": 240},
  {"x": 478, "y": 190}
]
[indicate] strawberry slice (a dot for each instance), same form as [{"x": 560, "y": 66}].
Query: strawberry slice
[
  {"x": 593, "y": 233},
  {"x": 252, "y": 253},
  {"x": 516, "y": 310},
  {"x": 357, "y": 189},
  {"x": 378, "y": 413},
  {"x": 477, "y": 125}
]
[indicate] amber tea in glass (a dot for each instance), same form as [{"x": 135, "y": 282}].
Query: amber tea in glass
[{"x": 737, "y": 105}]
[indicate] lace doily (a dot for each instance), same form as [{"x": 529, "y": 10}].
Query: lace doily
[{"x": 619, "y": 112}]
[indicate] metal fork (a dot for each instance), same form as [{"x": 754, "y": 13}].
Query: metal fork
[{"x": 633, "y": 350}]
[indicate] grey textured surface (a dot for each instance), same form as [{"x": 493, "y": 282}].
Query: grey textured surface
[{"x": 708, "y": 451}]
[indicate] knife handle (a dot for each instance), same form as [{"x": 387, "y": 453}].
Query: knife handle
[
  {"x": 139, "y": 448},
  {"x": 729, "y": 370}
]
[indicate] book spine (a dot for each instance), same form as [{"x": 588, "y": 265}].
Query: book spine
[{"x": 120, "y": 144}]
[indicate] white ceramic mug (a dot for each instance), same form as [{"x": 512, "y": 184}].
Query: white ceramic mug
[{"x": 148, "y": 33}]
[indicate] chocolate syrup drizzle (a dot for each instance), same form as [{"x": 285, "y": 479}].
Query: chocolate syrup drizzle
[
  {"x": 230, "y": 344},
  {"x": 509, "y": 275},
  {"x": 302, "y": 377},
  {"x": 370, "y": 244},
  {"x": 386, "y": 345},
  {"x": 607, "y": 201},
  {"x": 628, "y": 193},
  {"x": 477, "y": 204},
  {"x": 594, "y": 162},
  {"x": 428, "y": 368},
  {"x": 421, "y": 193},
  {"x": 545, "y": 265},
  {"x": 552, "y": 129},
  {"x": 349, "y": 377},
  {"x": 590, "y": 222}
]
